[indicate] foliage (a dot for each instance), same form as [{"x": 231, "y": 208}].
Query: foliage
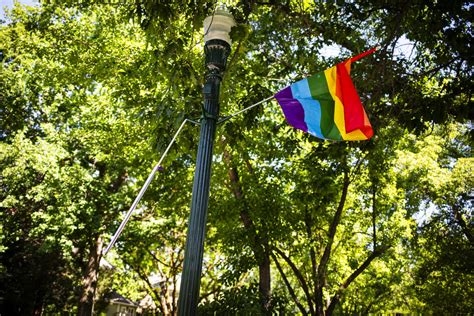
[
  {"x": 242, "y": 300},
  {"x": 91, "y": 93}
]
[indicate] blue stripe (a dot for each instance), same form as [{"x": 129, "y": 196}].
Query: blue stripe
[
  {"x": 300, "y": 90},
  {"x": 312, "y": 108}
]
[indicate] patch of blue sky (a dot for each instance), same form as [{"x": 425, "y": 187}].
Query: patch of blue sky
[
  {"x": 426, "y": 211},
  {"x": 404, "y": 48},
  {"x": 8, "y": 5}
]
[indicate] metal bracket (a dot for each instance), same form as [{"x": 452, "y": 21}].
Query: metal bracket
[{"x": 207, "y": 115}]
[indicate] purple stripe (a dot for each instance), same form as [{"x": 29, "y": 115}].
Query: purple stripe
[{"x": 292, "y": 109}]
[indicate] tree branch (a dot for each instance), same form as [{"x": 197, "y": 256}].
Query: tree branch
[
  {"x": 288, "y": 285},
  {"x": 434, "y": 70},
  {"x": 157, "y": 259},
  {"x": 464, "y": 226},
  {"x": 374, "y": 216},
  {"x": 299, "y": 276},
  {"x": 174, "y": 307},
  {"x": 144, "y": 278},
  {"x": 119, "y": 181},
  {"x": 333, "y": 228},
  {"x": 259, "y": 244},
  {"x": 309, "y": 227},
  {"x": 215, "y": 290},
  {"x": 337, "y": 296}
]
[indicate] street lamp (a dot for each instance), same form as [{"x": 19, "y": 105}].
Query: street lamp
[{"x": 216, "y": 50}]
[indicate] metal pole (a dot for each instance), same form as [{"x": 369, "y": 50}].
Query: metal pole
[
  {"x": 143, "y": 189},
  {"x": 216, "y": 53}
]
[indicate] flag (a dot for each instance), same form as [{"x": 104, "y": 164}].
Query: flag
[{"x": 327, "y": 105}]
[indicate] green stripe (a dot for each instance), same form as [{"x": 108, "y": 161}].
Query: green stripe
[
  {"x": 319, "y": 91},
  {"x": 328, "y": 127}
]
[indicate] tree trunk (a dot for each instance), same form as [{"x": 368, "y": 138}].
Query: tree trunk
[
  {"x": 466, "y": 228},
  {"x": 322, "y": 268},
  {"x": 38, "y": 309},
  {"x": 319, "y": 298},
  {"x": 260, "y": 246},
  {"x": 89, "y": 280},
  {"x": 265, "y": 283}
]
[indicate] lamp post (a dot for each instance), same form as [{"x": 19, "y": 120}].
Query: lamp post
[{"x": 216, "y": 49}]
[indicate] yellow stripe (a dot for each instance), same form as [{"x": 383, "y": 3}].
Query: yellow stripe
[{"x": 331, "y": 75}]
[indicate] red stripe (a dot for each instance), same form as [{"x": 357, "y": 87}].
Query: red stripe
[
  {"x": 354, "y": 113},
  {"x": 353, "y": 109}
]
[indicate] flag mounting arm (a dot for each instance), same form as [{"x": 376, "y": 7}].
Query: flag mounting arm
[
  {"x": 157, "y": 168},
  {"x": 228, "y": 117}
]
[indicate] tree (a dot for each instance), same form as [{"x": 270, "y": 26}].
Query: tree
[
  {"x": 86, "y": 146},
  {"x": 93, "y": 90},
  {"x": 443, "y": 247}
]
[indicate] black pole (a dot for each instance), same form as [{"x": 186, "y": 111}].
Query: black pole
[{"x": 216, "y": 53}]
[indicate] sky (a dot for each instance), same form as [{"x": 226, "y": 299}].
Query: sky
[{"x": 9, "y": 4}]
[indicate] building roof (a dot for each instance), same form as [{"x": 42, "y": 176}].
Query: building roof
[{"x": 114, "y": 297}]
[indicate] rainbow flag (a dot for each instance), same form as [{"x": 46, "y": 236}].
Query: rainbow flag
[{"x": 327, "y": 105}]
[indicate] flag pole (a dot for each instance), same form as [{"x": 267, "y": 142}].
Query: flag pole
[
  {"x": 155, "y": 169},
  {"x": 217, "y": 49}
]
